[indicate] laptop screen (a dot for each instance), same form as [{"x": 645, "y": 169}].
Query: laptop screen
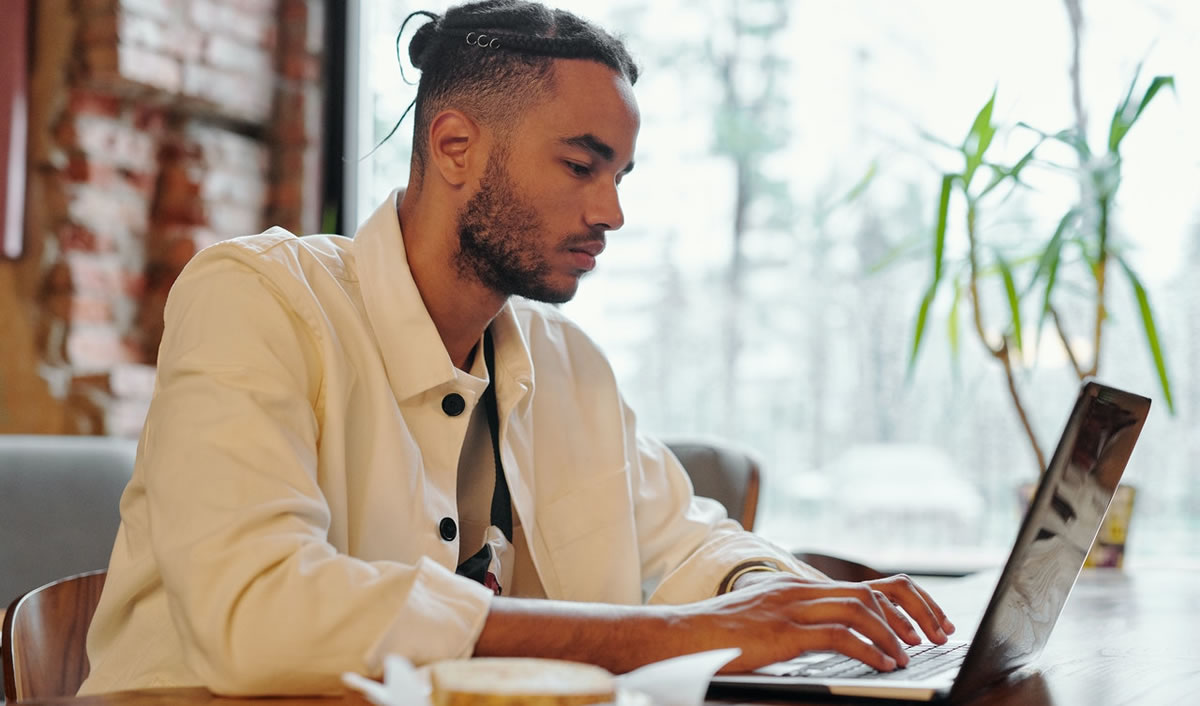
[{"x": 1057, "y": 532}]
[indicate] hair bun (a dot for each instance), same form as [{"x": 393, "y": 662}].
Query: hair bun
[{"x": 418, "y": 46}]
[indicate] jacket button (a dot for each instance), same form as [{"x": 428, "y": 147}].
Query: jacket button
[
  {"x": 448, "y": 529},
  {"x": 453, "y": 404}
]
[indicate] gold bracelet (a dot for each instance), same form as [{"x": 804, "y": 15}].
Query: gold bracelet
[{"x": 742, "y": 569}]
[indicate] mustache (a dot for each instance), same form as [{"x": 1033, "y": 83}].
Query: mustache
[{"x": 580, "y": 239}]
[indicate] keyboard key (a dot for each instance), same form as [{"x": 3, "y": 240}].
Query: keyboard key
[{"x": 924, "y": 659}]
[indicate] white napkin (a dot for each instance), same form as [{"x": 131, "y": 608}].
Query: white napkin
[
  {"x": 679, "y": 681},
  {"x": 402, "y": 684}
]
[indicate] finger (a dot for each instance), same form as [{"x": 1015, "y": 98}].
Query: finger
[
  {"x": 841, "y": 639},
  {"x": 898, "y": 621},
  {"x": 903, "y": 592},
  {"x": 851, "y": 613},
  {"x": 947, "y": 626},
  {"x": 860, "y": 592}
]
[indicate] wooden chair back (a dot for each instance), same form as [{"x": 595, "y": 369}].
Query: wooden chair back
[
  {"x": 839, "y": 569},
  {"x": 45, "y": 638}
]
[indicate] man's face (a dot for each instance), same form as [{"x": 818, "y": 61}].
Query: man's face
[{"x": 548, "y": 195}]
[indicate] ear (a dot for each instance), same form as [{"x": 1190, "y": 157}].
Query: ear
[{"x": 455, "y": 145}]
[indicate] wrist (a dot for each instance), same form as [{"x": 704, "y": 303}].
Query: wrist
[{"x": 736, "y": 577}]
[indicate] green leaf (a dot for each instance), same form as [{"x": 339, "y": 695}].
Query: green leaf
[
  {"x": 862, "y": 184},
  {"x": 939, "y": 251},
  {"x": 1156, "y": 352},
  {"x": 1048, "y": 260},
  {"x": 952, "y": 331},
  {"x": 919, "y": 329},
  {"x": 1069, "y": 137},
  {"x": 978, "y": 139},
  {"x": 939, "y": 254},
  {"x": 939, "y": 233},
  {"x": 1000, "y": 173},
  {"x": 1123, "y": 120},
  {"x": 1015, "y": 171},
  {"x": 1048, "y": 265},
  {"x": 1158, "y": 83},
  {"x": 1014, "y": 301},
  {"x": 1027, "y": 126}
]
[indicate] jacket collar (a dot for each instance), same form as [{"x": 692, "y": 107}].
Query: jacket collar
[{"x": 412, "y": 350}]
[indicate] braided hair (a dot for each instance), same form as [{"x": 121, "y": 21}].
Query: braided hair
[{"x": 493, "y": 59}]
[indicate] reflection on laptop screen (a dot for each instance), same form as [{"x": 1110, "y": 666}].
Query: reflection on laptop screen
[{"x": 1059, "y": 528}]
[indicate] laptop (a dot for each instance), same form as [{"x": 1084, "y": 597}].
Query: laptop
[{"x": 1059, "y": 527}]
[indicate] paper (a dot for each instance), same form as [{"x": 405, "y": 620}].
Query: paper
[
  {"x": 402, "y": 684},
  {"x": 679, "y": 681}
]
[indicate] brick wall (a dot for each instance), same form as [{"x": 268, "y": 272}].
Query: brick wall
[{"x": 157, "y": 127}]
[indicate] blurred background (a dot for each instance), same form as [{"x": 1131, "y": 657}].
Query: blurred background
[
  {"x": 780, "y": 240},
  {"x": 869, "y": 241}
]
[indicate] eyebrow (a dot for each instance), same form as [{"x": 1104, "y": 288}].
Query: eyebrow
[{"x": 596, "y": 146}]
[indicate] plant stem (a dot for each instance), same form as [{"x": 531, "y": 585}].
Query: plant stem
[
  {"x": 1002, "y": 352},
  {"x": 973, "y": 283},
  {"x": 1101, "y": 270},
  {"x": 1062, "y": 335},
  {"x": 1010, "y": 376},
  {"x": 1075, "y": 15}
]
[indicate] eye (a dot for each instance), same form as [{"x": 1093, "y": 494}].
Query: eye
[{"x": 579, "y": 170}]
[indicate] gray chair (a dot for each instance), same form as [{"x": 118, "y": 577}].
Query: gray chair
[
  {"x": 730, "y": 475},
  {"x": 59, "y": 506},
  {"x": 721, "y": 471}
]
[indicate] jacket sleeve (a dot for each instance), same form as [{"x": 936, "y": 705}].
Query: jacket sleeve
[
  {"x": 688, "y": 544},
  {"x": 261, "y": 601}
]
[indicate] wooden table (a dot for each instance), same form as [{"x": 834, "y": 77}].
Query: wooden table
[{"x": 1124, "y": 639}]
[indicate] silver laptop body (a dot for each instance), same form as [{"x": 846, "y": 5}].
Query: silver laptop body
[{"x": 1049, "y": 552}]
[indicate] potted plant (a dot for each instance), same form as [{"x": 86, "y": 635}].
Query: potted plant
[{"x": 1082, "y": 246}]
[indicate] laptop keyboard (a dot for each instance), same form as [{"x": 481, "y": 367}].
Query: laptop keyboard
[{"x": 924, "y": 660}]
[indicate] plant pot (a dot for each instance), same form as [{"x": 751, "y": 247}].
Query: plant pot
[{"x": 1108, "y": 550}]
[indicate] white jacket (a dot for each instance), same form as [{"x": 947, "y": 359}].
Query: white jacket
[{"x": 282, "y": 523}]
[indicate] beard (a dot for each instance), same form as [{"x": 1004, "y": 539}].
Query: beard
[{"x": 501, "y": 239}]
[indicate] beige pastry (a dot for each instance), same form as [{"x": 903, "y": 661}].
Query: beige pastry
[{"x": 503, "y": 681}]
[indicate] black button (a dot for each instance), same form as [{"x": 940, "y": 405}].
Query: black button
[
  {"x": 453, "y": 404},
  {"x": 447, "y": 527}
]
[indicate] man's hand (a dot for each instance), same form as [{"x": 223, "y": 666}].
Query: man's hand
[
  {"x": 771, "y": 616},
  {"x": 780, "y": 616}
]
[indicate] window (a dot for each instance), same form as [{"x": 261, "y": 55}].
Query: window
[{"x": 808, "y": 134}]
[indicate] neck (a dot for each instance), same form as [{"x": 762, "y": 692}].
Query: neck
[{"x": 461, "y": 307}]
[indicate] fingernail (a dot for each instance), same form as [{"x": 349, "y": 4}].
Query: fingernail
[
  {"x": 949, "y": 626},
  {"x": 889, "y": 663}
]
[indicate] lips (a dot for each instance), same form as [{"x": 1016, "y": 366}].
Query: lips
[
  {"x": 583, "y": 255},
  {"x": 591, "y": 247}
]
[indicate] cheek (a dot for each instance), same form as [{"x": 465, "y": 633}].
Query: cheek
[
  {"x": 554, "y": 201},
  {"x": 555, "y": 196}
]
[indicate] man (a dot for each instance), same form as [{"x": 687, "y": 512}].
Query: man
[{"x": 324, "y": 476}]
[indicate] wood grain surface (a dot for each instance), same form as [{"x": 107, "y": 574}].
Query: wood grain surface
[{"x": 1125, "y": 639}]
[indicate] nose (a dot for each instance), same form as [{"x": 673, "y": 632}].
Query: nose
[{"x": 604, "y": 210}]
